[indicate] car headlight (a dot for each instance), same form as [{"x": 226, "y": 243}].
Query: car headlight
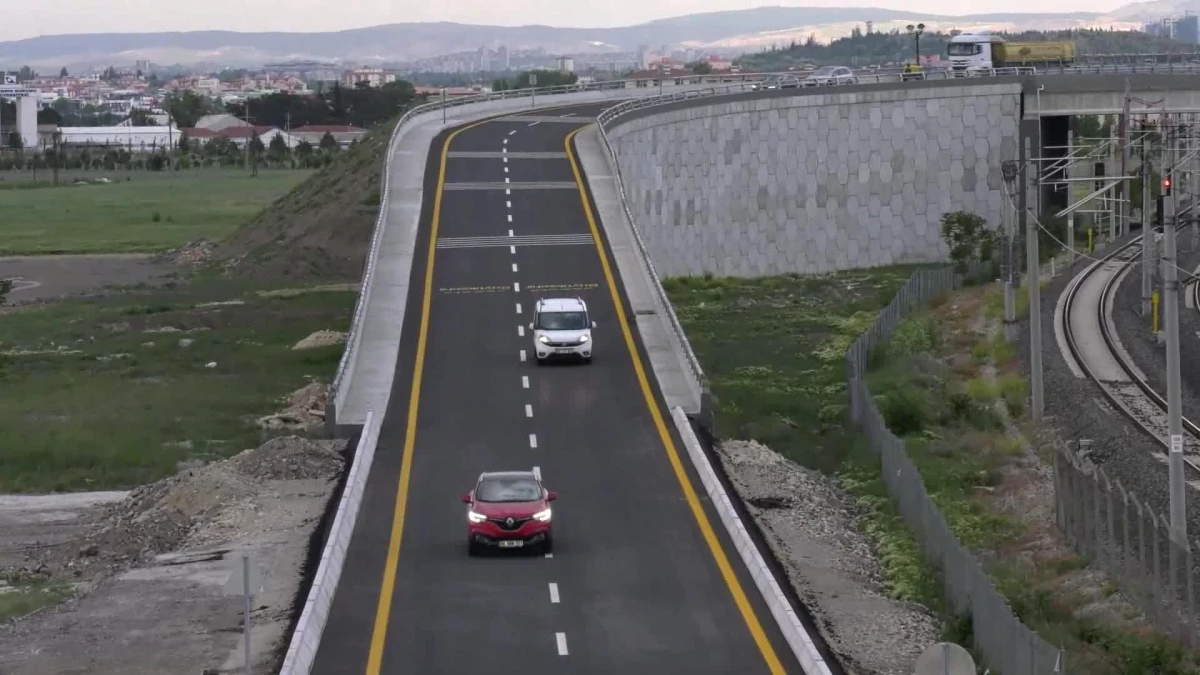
[
  {"x": 543, "y": 516},
  {"x": 583, "y": 339},
  {"x": 543, "y": 339},
  {"x": 476, "y": 517}
]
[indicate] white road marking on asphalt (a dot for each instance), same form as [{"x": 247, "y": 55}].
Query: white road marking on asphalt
[
  {"x": 571, "y": 114},
  {"x": 537, "y": 472},
  {"x": 562, "y": 643},
  {"x": 512, "y": 132},
  {"x": 506, "y": 156},
  {"x": 506, "y": 179},
  {"x": 516, "y": 287},
  {"x": 524, "y": 381},
  {"x": 549, "y": 555},
  {"x": 512, "y": 250},
  {"x": 533, "y": 440},
  {"x": 506, "y": 169},
  {"x": 515, "y": 269},
  {"x": 510, "y": 233},
  {"x": 528, "y": 410},
  {"x": 508, "y": 205},
  {"x": 521, "y": 331},
  {"x": 534, "y": 124},
  {"x": 507, "y": 191},
  {"x": 510, "y": 217},
  {"x": 522, "y": 356},
  {"x": 506, "y": 143},
  {"x": 553, "y": 591},
  {"x": 518, "y": 304}
]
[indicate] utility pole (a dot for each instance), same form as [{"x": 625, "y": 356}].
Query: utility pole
[
  {"x": 1147, "y": 224},
  {"x": 1035, "y": 302},
  {"x": 1125, "y": 206},
  {"x": 1012, "y": 269},
  {"x": 1174, "y": 402},
  {"x": 1071, "y": 141}
]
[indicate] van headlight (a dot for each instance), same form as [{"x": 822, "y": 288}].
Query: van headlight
[
  {"x": 543, "y": 516},
  {"x": 476, "y": 517},
  {"x": 544, "y": 340},
  {"x": 583, "y": 339}
]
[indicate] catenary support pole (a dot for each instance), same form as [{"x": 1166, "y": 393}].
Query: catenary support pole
[
  {"x": 1012, "y": 266},
  {"x": 1174, "y": 401},
  {"x": 1035, "y": 308},
  {"x": 1125, "y": 205},
  {"x": 1071, "y": 173},
  {"x": 1147, "y": 225}
]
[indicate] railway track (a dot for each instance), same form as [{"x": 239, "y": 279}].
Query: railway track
[{"x": 1085, "y": 328}]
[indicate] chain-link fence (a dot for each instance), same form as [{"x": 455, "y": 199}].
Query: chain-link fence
[
  {"x": 1122, "y": 535},
  {"x": 1007, "y": 646}
]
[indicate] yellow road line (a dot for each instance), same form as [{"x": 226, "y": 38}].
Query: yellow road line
[
  {"x": 714, "y": 545},
  {"x": 388, "y": 586}
]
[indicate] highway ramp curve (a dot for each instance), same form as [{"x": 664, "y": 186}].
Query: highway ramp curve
[{"x": 643, "y": 578}]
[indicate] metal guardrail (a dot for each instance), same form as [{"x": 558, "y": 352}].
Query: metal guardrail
[{"x": 723, "y": 83}]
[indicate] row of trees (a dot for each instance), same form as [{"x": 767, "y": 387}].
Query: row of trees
[{"x": 896, "y": 46}]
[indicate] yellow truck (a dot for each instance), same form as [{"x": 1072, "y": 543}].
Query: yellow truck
[{"x": 985, "y": 51}]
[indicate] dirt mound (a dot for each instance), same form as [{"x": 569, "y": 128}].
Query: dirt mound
[
  {"x": 163, "y": 516},
  {"x": 321, "y": 338},
  {"x": 320, "y": 230},
  {"x": 192, "y": 253},
  {"x": 304, "y": 411}
]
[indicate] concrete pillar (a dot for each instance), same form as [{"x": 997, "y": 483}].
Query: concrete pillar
[{"x": 27, "y": 127}]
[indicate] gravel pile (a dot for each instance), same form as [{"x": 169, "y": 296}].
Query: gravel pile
[
  {"x": 160, "y": 517},
  {"x": 191, "y": 253},
  {"x": 812, "y": 529},
  {"x": 303, "y": 412}
]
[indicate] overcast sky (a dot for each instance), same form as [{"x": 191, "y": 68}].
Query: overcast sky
[{"x": 52, "y": 17}]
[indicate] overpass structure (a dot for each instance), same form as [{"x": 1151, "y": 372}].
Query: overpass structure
[
  {"x": 27, "y": 107},
  {"x": 734, "y": 179}
]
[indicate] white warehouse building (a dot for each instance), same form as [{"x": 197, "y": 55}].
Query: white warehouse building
[{"x": 134, "y": 139}]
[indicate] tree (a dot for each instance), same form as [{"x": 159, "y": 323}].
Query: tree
[
  {"x": 63, "y": 72},
  {"x": 188, "y": 107},
  {"x": 278, "y": 150},
  {"x": 184, "y": 144},
  {"x": 49, "y": 116},
  {"x": 140, "y": 117},
  {"x": 701, "y": 67},
  {"x": 969, "y": 239},
  {"x": 545, "y": 78},
  {"x": 15, "y": 142},
  {"x": 329, "y": 143},
  {"x": 25, "y": 74}
]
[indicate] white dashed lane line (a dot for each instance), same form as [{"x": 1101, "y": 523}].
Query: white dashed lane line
[
  {"x": 512, "y": 250},
  {"x": 520, "y": 330},
  {"x": 508, "y": 205},
  {"x": 510, "y": 233},
  {"x": 533, "y": 441},
  {"x": 528, "y": 410},
  {"x": 554, "y": 593},
  {"x": 511, "y": 133},
  {"x": 522, "y": 356},
  {"x": 561, "y": 638},
  {"x": 524, "y": 381},
  {"x": 515, "y": 269},
  {"x": 517, "y": 286},
  {"x": 518, "y": 304}
]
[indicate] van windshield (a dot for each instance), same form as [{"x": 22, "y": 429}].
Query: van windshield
[{"x": 562, "y": 321}]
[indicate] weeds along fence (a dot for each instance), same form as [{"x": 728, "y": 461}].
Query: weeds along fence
[
  {"x": 1007, "y": 646},
  {"x": 1120, "y": 534}
]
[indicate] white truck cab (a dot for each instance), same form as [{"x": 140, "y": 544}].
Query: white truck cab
[
  {"x": 972, "y": 51},
  {"x": 562, "y": 329}
]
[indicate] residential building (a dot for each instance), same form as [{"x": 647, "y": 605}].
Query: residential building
[
  {"x": 376, "y": 77},
  {"x": 565, "y": 64},
  {"x": 504, "y": 60},
  {"x": 485, "y": 59},
  {"x": 219, "y": 122}
]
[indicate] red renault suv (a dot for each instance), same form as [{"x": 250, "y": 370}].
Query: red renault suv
[{"x": 509, "y": 509}]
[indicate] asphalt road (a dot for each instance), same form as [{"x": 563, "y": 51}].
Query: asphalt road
[{"x": 633, "y": 585}]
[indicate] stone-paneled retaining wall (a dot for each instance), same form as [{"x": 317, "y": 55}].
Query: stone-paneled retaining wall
[{"x": 811, "y": 182}]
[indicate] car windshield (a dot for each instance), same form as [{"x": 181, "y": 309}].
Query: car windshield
[
  {"x": 509, "y": 489},
  {"x": 824, "y": 71},
  {"x": 562, "y": 321}
]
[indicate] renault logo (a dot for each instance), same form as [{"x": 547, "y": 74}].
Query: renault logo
[{"x": 509, "y": 521}]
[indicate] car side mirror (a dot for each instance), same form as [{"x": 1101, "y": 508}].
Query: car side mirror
[
  {"x": 466, "y": 498},
  {"x": 551, "y": 496},
  {"x": 593, "y": 324}
]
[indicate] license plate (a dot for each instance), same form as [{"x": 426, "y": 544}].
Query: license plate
[
  {"x": 563, "y": 351},
  {"x": 511, "y": 543}
]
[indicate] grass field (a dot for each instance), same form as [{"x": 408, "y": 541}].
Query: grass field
[
  {"x": 97, "y": 396},
  {"x": 153, "y": 211}
]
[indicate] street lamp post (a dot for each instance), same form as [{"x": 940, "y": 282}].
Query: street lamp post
[{"x": 916, "y": 33}]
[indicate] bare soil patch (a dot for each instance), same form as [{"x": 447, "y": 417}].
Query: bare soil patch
[{"x": 54, "y": 277}]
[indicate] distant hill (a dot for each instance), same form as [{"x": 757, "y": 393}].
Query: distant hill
[{"x": 741, "y": 30}]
